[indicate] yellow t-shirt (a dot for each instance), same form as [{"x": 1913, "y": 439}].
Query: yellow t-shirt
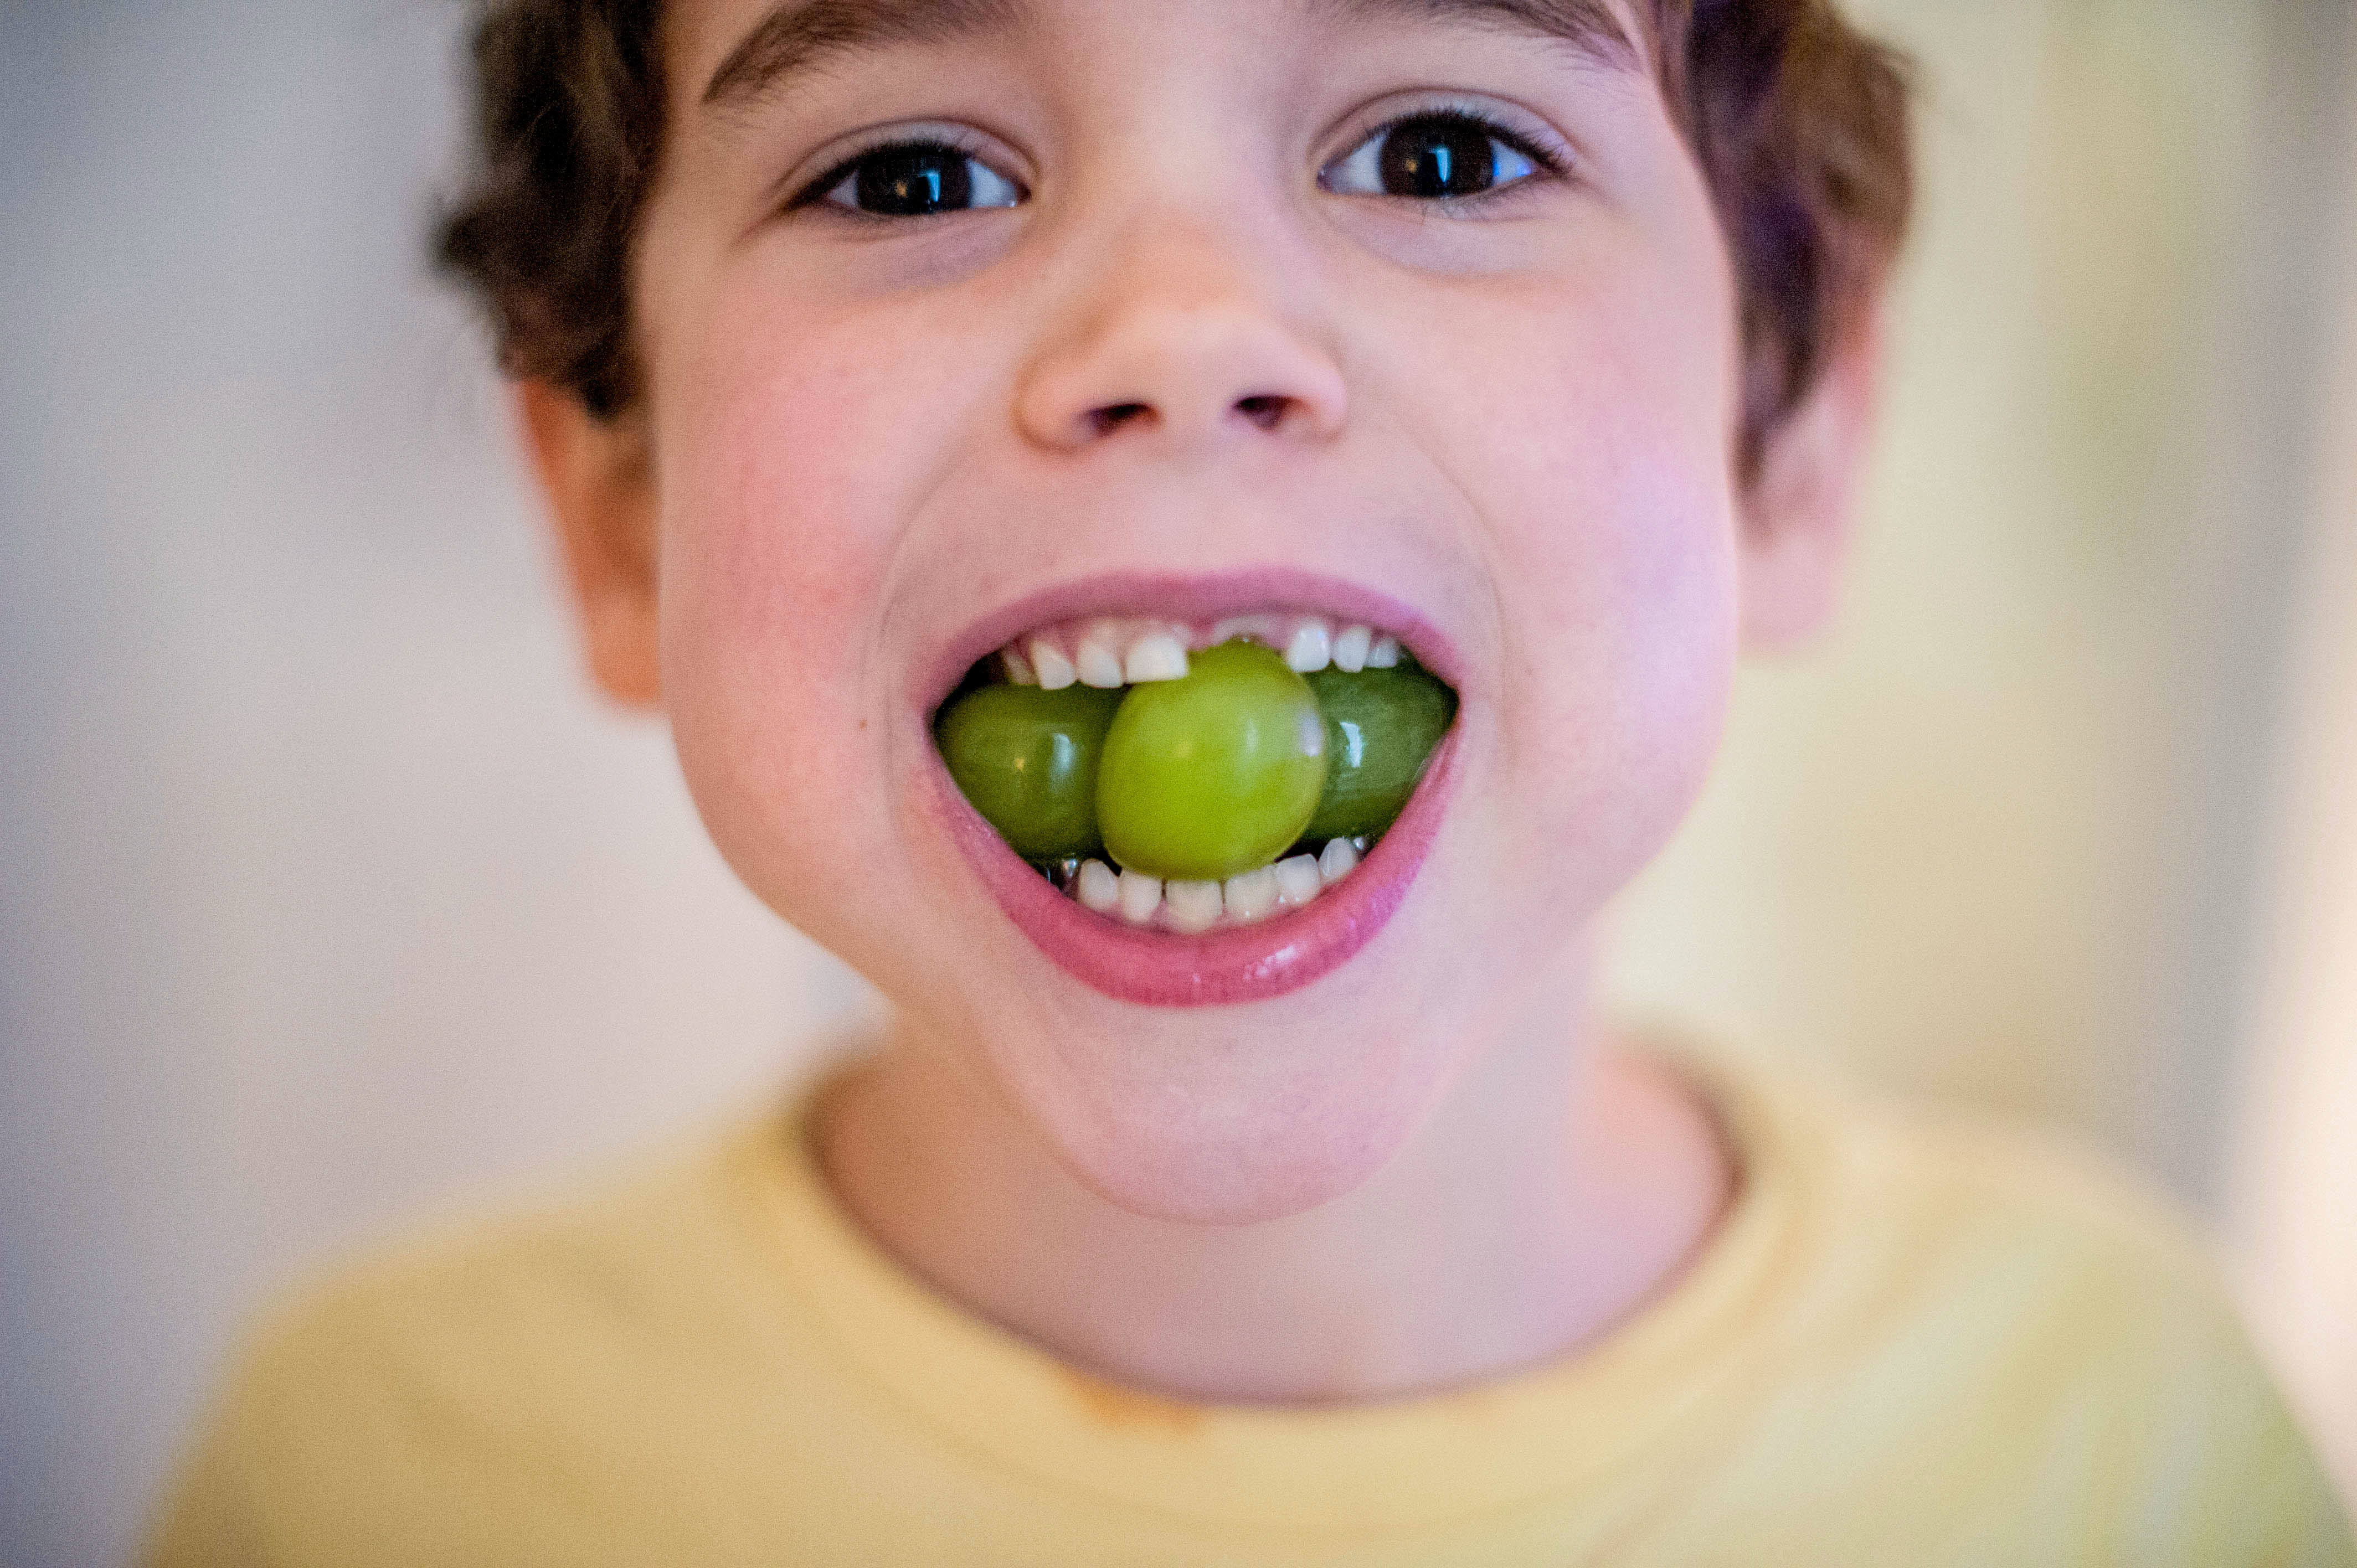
[{"x": 1908, "y": 1343}]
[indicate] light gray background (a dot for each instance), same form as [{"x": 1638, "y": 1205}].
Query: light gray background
[{"x": 328, "y": 899}]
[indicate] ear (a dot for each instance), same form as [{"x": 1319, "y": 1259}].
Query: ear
[
  {"x": 1800, "y": 510},
  {"x": 598, "y": 477}
]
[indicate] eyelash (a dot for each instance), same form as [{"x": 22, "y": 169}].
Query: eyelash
[{"x": 1547, "y": 159}]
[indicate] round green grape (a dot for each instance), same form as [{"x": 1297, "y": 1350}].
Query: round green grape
[
  {"x": 1027, "y": 759},
  {"x": 1380, "y": 728},
  {"x": 1214, "y": 774}
]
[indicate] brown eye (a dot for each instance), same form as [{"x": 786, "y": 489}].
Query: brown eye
[
  {"x": 916, "y": 179},
  {"x": 1430, "y": 158}
]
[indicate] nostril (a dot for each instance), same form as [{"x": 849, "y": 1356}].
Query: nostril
[
  {"x": 1265, "y": 410},
  {"x": 1113, "y": 416}
]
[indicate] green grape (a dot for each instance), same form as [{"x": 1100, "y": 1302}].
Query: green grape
[
  {"x": 1214, "y": 774},
  {"x": 1380, "y": 728},
  {"x": 1027, "y": 760}
]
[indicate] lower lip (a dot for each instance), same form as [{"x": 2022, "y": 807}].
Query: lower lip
[{"x": 1244, "y": 963}]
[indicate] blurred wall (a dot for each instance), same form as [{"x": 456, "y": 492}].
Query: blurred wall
[
  {"x": 1997, "y": 840},
  {"x": 2294, "y": 1190},
  {"x": 327, "y": 899}
]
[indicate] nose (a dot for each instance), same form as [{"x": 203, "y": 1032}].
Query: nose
[{"x": 1180, "y": 346}]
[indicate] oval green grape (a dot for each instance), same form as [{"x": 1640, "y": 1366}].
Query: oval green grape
[
  {"x": 1027, "y": 761},
  {"x": 1215, "y": 774},
  {"x": 1380, "y": 728}
]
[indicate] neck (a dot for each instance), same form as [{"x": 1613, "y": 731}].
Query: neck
[{"x": 1558, "y": 1186}]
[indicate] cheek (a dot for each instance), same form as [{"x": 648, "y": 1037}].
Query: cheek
[
  {"x": 1623, "y": 562},
  {"x": 789, "y": 469},
  {"x": 1610, "y": 519}
]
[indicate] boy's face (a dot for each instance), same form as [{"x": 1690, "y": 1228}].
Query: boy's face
[{"x": 1182, "y": 340}]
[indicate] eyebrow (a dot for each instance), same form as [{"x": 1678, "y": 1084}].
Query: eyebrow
[
  {"x": 1591, "y": 27},
  {"x": 796, "y": 37},
  {"x": 793, "y": 38}
]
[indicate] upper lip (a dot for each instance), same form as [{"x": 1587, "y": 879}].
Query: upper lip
[{"x": 1193, "y": 597}]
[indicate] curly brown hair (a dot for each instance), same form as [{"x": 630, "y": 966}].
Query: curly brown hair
[{"x": 1800, "y": 122}]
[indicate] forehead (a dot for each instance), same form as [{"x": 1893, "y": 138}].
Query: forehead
[{"x": 737, "y": 51}]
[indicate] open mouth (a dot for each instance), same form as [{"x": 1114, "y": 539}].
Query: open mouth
[{"x": 1200, "y": 800}]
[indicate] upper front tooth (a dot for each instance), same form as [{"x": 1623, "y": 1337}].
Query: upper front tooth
[
  {"x": 1018, "y": 669},
  {"x": 1350, "y": 649},
  {"x": 1097, "y": 662},
  {"x": 1312, "y": 647},
  {"x": 1156, "y": 656},
  {"x": 1055, "y": 671},
  {"x": 1384, "y": 654}
]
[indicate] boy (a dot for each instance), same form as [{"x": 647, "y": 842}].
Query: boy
[{"x": 997, "y": 431}]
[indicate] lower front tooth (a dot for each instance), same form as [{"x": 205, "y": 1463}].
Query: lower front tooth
[
  {"x": 1297, "y": 881},
  {"x": 1339, "y": 860},
  {"x": 1251, "y": 896},
  {"x": 1139, "y": 897},
  {"x": 1098, "y": 888},
  {"x": 1194, "y": 906}
]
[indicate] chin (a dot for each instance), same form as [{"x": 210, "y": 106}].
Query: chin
[
  {"x": 1221, "y": 1151},
  {"x": 1251, "y": 1111}
]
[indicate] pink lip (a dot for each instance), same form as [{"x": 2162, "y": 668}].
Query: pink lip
[{"x": 1250, "y": 964}]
